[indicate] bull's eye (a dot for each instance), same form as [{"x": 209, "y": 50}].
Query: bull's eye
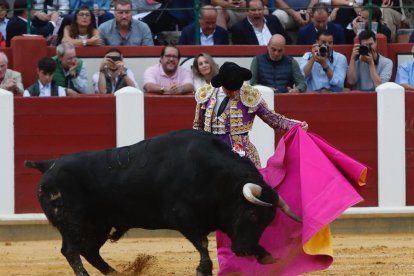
[{"x": 251, "y": 215}]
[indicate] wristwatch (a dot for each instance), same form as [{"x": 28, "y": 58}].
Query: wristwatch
[
  {"x": 325, "y": 69},
  {"x": 162, "y": 89},
  {"x": 84, "y": 42}
]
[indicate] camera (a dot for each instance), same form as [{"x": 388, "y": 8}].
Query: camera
[
  {"x": 115, "y": 58},
  {"x": 323, "y": 50},
  {"x": 364, "y": 50}
]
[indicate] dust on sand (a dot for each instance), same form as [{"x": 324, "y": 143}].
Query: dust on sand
[{"x": 386, "y": 254}]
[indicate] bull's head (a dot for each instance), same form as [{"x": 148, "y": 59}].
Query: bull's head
[{"x": 252, "y": 220}]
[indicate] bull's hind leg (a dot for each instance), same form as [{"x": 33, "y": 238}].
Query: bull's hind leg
[
  {"x": 70, "y": 249},
  {"x": 94, "y": 239}
]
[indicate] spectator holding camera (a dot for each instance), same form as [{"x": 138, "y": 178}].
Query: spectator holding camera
[
  {"x": 320, "y": 22},
  {"x": 112, "y": 75},
  {"x": 367, "y": 68},
  {"x": 324, "y": 69}
]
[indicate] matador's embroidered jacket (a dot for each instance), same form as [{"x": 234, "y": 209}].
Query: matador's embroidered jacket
[{"x": 234, "y": 124}]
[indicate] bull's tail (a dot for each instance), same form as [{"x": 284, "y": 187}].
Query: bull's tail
[
  {"x": 286, "y": 209},
  {"x": 42, "y": 165}
]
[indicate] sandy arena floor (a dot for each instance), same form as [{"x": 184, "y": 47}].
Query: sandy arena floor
[{"x": 390, "y": 254}]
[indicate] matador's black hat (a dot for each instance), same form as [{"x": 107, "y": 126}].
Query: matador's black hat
[{"x": 231, "y": 76}]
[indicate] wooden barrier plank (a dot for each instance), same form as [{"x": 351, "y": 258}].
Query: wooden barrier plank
[{"x": 47, "y": 128}]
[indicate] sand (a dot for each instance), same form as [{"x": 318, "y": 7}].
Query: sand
[{"x": 385, "y": 254}]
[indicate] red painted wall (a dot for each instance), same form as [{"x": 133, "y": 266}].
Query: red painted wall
[{"x": 46, "y": 128}]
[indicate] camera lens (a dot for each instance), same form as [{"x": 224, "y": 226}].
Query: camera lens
[
  {"x": 323, "y": 50},
  {"x": 363, "y": 50}
]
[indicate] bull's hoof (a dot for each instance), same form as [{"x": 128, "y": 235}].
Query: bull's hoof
[{"x": 200, "y": 273}]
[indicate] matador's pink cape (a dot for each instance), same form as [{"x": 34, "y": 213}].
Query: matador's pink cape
[{"x": 316, "y": 181}]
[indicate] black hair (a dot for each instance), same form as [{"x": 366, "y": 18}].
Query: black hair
[
  {"x": 170, "y": 46},
  {"x": 366, "y": 34},
  {"x": 47, "y": 65},
  {"x": 323, "y": 32},
  {"x": 113, "y": 50},
  {"x": 376, "y": 12}
]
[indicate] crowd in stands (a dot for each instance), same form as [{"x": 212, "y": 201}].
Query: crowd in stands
[{"x": 275, "y": 24}]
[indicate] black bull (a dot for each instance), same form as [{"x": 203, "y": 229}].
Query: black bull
[{"x": 188, "y": 180}]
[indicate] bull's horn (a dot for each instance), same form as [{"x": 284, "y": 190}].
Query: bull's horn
[
  {"x": 286, "y": 209},
  {"x": 251, "y": 192}
]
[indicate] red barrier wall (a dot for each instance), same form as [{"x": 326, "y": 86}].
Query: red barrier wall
[
  {"x": 46, "y": 128},
  {"x": 409, "y": 146}
]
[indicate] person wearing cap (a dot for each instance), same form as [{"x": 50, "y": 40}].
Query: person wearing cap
[
  {"x": 405, "y": 74},
  {"x": 227, "y": 108}
]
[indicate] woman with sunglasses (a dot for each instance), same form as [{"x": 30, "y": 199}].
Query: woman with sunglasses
[{"x": 82, "y": 31}]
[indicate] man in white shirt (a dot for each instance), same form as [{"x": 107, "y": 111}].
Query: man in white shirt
[
  {"x": 257, "y": 28},
  {"x": 44, "y": 86}
]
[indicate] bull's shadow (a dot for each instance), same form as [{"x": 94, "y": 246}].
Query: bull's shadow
[{"x": 188, "y": 180}]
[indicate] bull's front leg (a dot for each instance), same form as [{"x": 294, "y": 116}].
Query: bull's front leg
[{"x": 205, "y": 268}]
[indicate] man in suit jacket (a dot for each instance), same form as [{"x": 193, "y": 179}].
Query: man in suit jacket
[
  {"x": 18, "y": 23},
  {"x": 210, "y": 33},
  {"x": 257, "y": 28},
  {"x": 9, "y": 80},
  {"x": 320, "y": 14}
]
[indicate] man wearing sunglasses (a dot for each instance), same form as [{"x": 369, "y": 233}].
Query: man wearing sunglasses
[{"x": 112, "y": 75}]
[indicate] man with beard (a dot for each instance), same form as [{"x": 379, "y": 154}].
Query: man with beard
[
  {"x": 210, "y": 33},
  {"x": 320, "y": 22},
  {"x": 277, "y": 70},
  {"x": 112, "y": 75},
  {"x": 257, "y": 28},
  {"x": 123, "y": 29},
  {"x": 167, "y": 77},
  {"x": 70, "y": 71}
]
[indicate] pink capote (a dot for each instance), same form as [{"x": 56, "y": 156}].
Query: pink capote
[{"x": 316, "y": 181}]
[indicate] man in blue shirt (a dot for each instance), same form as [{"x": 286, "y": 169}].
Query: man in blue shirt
[
  {"x": 323, "y": 68},
  {"x": 319, "y": 22},
  {"x": 405, "y": 74},
  {"x": 123, "y": 30}
]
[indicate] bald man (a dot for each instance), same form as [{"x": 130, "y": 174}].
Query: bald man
[
  {"x": 277, "y": 70},
  {"x": 210, "y": 33}
]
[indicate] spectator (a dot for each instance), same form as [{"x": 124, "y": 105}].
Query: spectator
[
  {"x": 113, "y": 75},
  {"x": 82, "y": 30},
  {"x": 293, "y": 13},
  {"x": 70, "y": 71},
  {"x": 324, "y": 69},
  {"x": 411, "y": 38},
  {"x": 167, "y": 77},
  {"x": 229, "y": 12},
  {"x": 210, "y": 33},
  {"x": 367, "y": 68},
  {"x": 18, "y": 23},
  {"x": 405, "y": 74},
  {"x": 204, "y": 69},
  {"x": 4, "y": 8},
  {"x": 45, "y": 86},
  {"x": 277, "y": 70},
  {"x": 364, "y": 17},
  {"x": 100, "y": 9},
  {"x": 9, "y": 80},
  {"x": 391, "y": 15},
  {"x": 319, "y": 22},
  {"x": 123, "y": 30},
  {"x": 257, "y": 28}
]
